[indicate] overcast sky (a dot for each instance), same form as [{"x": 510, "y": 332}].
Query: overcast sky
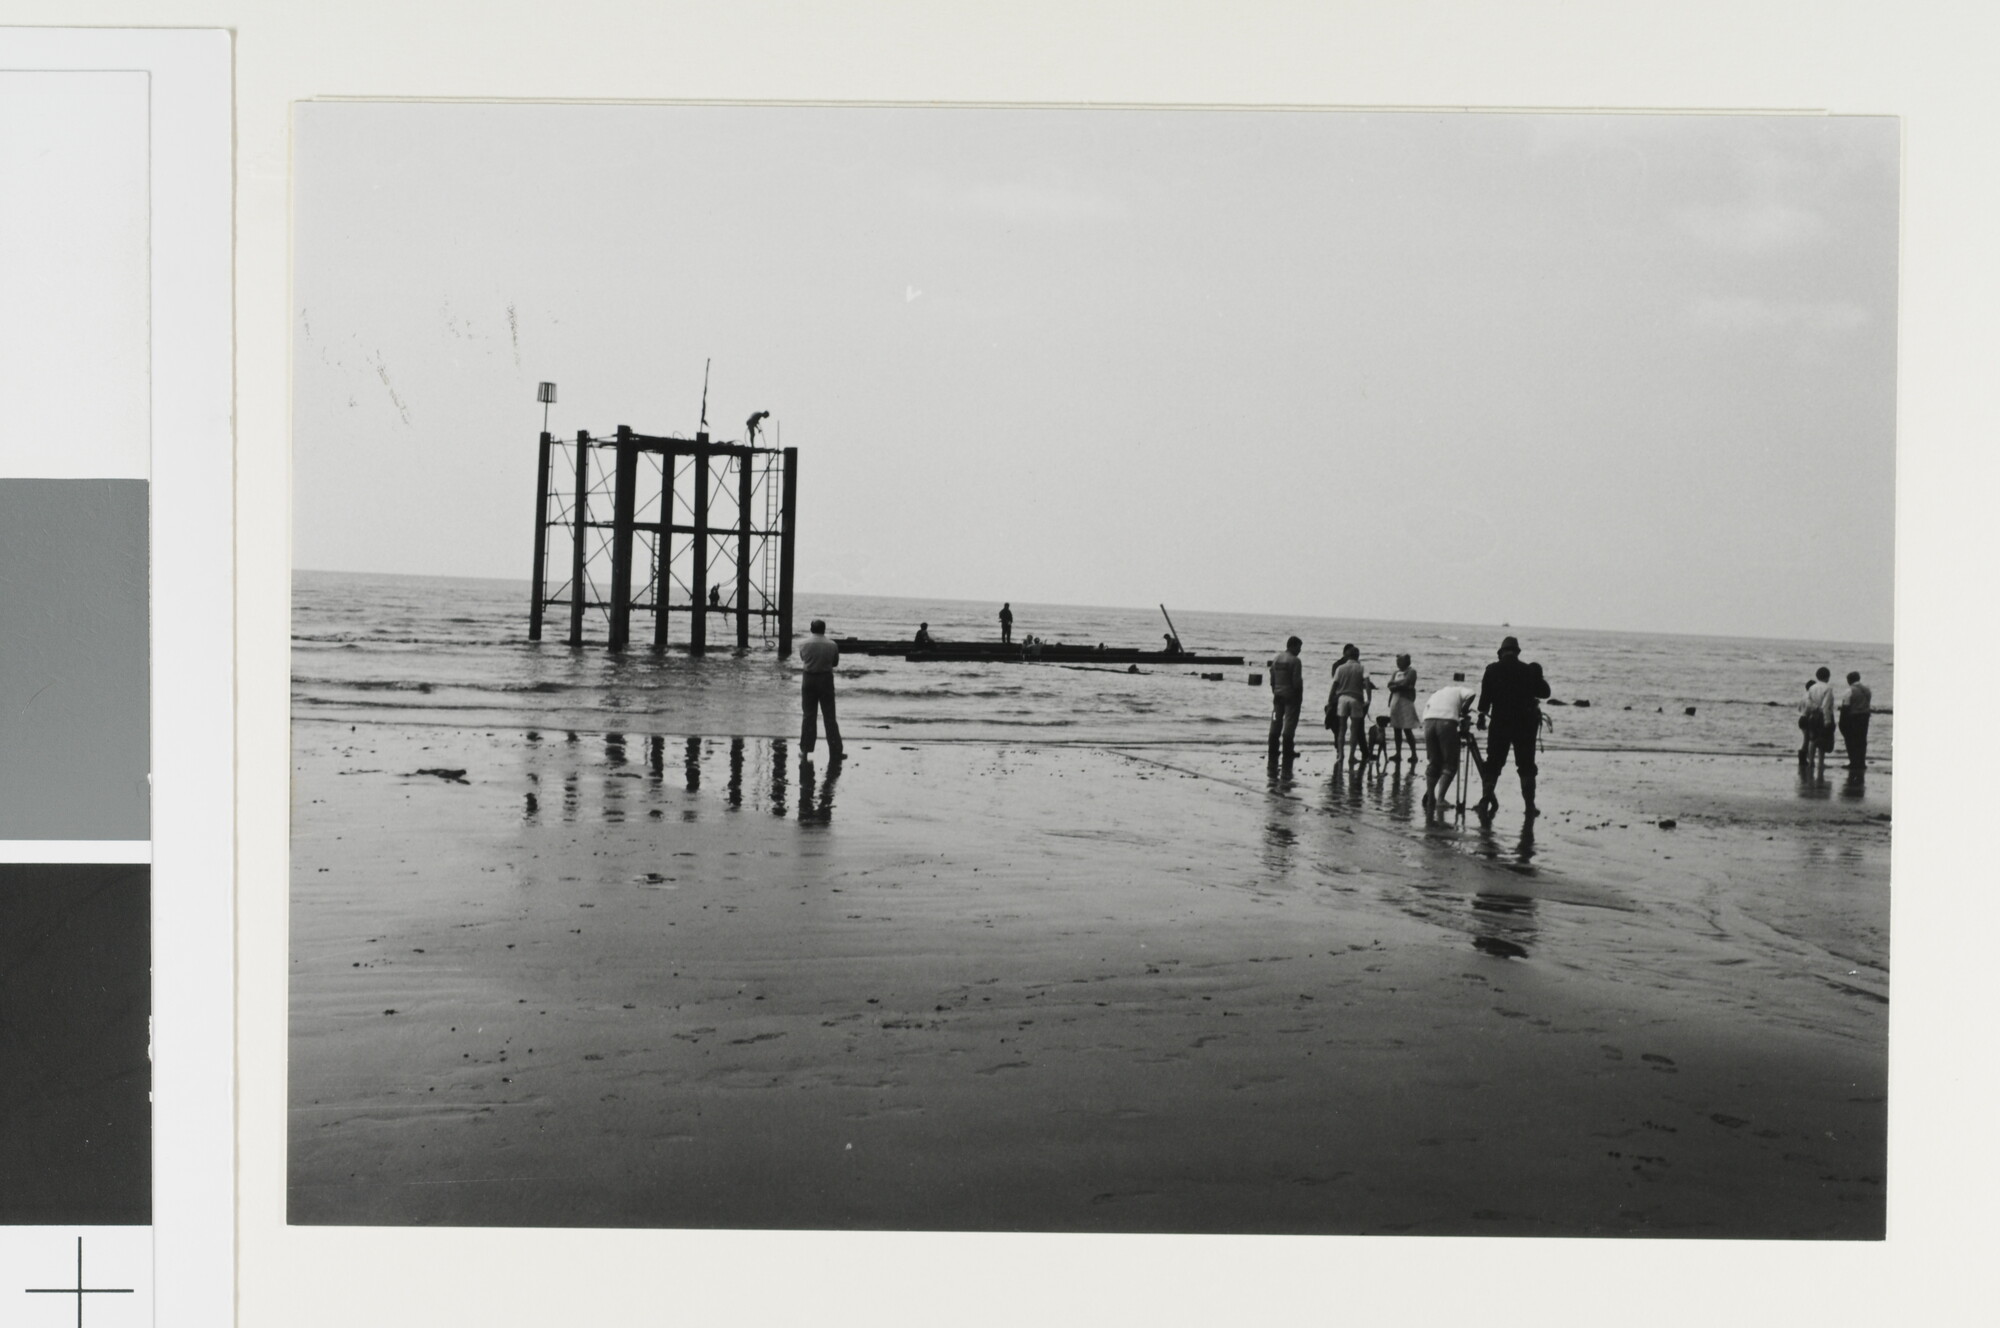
[{"x": 1622, "y": 372}]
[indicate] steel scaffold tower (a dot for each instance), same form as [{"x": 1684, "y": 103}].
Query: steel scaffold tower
[{"x": 707, "y": 524}]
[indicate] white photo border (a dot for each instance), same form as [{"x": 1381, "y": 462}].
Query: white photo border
[{"x": 193, "y": 637}]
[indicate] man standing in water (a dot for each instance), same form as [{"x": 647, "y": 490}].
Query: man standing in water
[
  {"x": 1348, "y": 705},
  {"x": 1288, "y": 689},
  {"x": 1855, "y": 709},
  {"x": 1819, "y": 717},
  {"x": 1510, "y": 693},
  {"x": 819, "y": 656},
  {"x": 1007, "y": 623}
]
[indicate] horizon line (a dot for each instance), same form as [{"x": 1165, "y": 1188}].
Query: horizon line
[{"x": 1135, "y": 608}]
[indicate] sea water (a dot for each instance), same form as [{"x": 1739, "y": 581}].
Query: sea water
[{"x": 455, "y": 651}]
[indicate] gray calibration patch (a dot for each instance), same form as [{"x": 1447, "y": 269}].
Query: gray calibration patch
[{"x": 75, "y": 745}]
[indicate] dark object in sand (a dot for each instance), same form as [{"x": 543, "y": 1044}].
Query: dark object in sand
[
  {"x": 1493, "y": 945},
  {"x": 1580, "y": 705},
  {"x": 1554, "y": 701},
  {"x": 1668, "y": 823},
  {"x": 1688, "y": 711},
  {"x": 1211, "y": 677},
  {"x": 455, "y": 776}
]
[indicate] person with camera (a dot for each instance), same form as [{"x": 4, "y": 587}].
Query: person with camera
[
  {"x": 1510, "y": 696},
  {"x": 1447, "y": 724}
]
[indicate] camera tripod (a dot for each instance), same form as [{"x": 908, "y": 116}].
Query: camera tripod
[
  {"x": 1468, "y": 757},
  {"x": 1469, "y": 750}
]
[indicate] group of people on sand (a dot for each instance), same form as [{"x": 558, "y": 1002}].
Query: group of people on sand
[
  {"x": 1822, "y": 713},
  {"x": 1508, "y": 703}
]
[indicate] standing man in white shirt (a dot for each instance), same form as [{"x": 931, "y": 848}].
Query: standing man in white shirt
[
  {"x": 1446, "y": 716},
  {"x": 819, "y": 656},
  {"x": 1819, "y": 714},
  {"x": 1288, "y": 689}
]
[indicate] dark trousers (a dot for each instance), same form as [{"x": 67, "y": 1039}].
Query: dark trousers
[
  {"x": 1511, "y": 734},
  {"x": 816, "y": 699},
  {"x": 1006, "y": 631},
  {"x": 1854, "y": 732},
  {"x": 1284, "y": 721}
]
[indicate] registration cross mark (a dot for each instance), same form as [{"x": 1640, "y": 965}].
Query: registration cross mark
[{"x": 79, "y": 1290}]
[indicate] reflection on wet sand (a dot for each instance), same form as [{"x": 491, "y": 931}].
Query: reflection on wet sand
[
  {"x": 1281, "y": 805},
  {"x": 748, "y": 768},
  {"x": 614, "y": 762},
  {"x": 1503, "y": 922},
  {"x": 1522, "y": 857},
  {"x": 1813, "y": 783},
  {"x": 1345, "y": 789},
  {"x": 1400, "y": 799},
  {"x": 816, "y": 798}
]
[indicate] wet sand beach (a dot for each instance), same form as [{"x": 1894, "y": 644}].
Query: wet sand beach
[{"x": 603, "y": 980}]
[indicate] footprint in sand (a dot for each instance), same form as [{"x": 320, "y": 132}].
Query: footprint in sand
[
  {"x": 1663, "y": 1064},
  {"x": 1256, "y": 1081},
  {"x": 1728, "y": 1122},
  {"x": 1004, "y": 1065}
]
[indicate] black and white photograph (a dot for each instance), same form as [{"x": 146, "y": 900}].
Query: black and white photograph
[{"x": 979, "y": 669}]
